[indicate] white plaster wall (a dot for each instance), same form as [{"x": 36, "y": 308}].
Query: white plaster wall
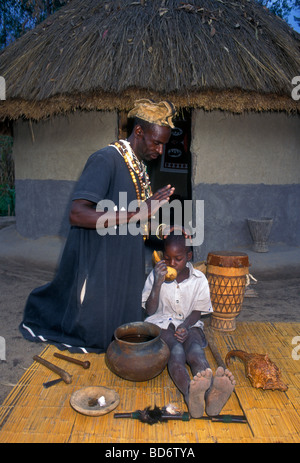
[
  {"x": 58, "y": 148},
  {"x": 245, "y": 149}
]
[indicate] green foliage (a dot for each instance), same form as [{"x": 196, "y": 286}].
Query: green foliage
[
  {"x": 7, "y": 200},
  {"x": 297, "y": 8},
  {"x": 281, "y": 8},
  {"x": 7, "y": 177},
  {"x": 19, "y": 16}
]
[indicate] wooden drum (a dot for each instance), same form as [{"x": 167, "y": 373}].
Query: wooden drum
[{"x": 226, "y": 273}]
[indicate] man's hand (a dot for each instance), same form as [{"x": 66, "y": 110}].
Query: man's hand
[
  {"x": 168, "y": 230},
  {"x": 157, "y": 200},
  {"x": 83, "y": 213},
  {"x": 162, "y": 195}
]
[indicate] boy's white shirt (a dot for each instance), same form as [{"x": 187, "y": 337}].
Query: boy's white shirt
[{"x": 178, "y": 300}]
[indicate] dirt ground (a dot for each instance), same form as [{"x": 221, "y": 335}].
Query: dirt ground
[
  {"x": 16, "y": 282},
  {"x": 278, "y": 299}
]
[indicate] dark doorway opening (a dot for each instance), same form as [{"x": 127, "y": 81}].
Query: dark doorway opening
[{"x": 174, "y": 166}]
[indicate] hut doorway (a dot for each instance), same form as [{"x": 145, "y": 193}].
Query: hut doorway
[{"x": 174, "y": 166}]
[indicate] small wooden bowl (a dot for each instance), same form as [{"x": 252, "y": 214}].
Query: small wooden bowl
[{"x": 81, "y": 400}]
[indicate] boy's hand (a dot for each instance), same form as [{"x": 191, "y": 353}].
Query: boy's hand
[
  {"x": 160, "y": 271},
  {"x": 181, "y": 334}
]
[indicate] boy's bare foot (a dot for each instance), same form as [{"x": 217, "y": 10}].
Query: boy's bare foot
[
  {"x": 198, "y": 386},
  {"x": 222, "y": 388}
]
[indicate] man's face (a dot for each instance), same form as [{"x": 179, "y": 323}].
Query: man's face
[{"x": 151, "y": 142}]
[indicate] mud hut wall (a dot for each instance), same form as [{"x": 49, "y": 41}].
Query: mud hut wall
[
  {"x": 49, "y": 157},
  {"x": 246, "y": 166}
]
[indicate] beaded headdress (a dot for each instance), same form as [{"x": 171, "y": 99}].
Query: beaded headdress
[{"x": 156, "y": 113}]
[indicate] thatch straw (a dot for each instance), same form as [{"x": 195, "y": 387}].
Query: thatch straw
[{"x": 212, "y": 54}]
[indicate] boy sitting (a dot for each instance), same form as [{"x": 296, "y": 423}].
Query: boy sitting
[{"x": 176, "y": 307}]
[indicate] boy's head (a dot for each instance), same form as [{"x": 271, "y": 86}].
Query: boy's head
[{"x": 176, "y": 252}]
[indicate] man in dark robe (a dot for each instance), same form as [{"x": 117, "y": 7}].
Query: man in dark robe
[{"x": 99, "y": 282}]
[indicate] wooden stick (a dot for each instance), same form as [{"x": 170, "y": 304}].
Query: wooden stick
[
  {"x": 62, "y": 373},
  {"x": 186, "y": 417},
  {"x": 84, "y": 365}
]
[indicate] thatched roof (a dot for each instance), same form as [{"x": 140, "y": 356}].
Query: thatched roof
[{"x": 233, "y": 55}]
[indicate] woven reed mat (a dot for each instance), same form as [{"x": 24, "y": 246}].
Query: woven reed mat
[{"x": 32, "y": 413}]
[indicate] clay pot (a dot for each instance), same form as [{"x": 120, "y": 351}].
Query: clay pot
[{"x": 137, "y": 353}]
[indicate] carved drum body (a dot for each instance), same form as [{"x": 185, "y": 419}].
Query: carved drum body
[{"x": 226, "y": 273}]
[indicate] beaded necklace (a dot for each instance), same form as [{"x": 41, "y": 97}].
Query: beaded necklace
[{"x": 143, "y": 190}]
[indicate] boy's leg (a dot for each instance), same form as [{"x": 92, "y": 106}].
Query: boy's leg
[
  {"x": 176, "y": 364},
  {"x": 202, "y": 380},
  {"x": 222, "y": 384},
  {"x": 194, "y": 350},
  {"x": 220, "y": 391}
]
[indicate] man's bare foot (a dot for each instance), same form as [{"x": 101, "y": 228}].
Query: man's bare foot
[
  {"x": 198, "y": 386},
  {"x": 222, "y": 388}
]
